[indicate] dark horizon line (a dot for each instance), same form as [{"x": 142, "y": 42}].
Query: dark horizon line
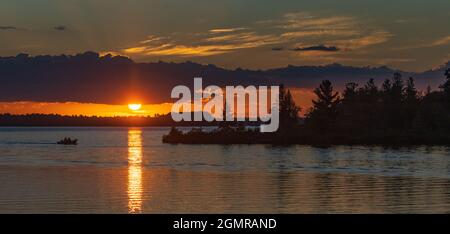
[{"x": 57, "y": 120}]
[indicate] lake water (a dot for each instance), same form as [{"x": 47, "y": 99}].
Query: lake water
[{"x": 129, "y": 170}]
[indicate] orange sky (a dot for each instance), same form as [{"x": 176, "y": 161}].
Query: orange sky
[
  {"x": 302, "y": 98},
  {"x": 88, "y": 109}
]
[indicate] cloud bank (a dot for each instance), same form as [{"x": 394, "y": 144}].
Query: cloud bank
[{"x": 295, "y": 30}]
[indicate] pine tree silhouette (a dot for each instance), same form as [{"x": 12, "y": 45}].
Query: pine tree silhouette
[
  {"x": 288, "y": 110},
  {"x": 324, "y": 111}
]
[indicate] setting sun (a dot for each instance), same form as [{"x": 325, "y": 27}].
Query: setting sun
[{"x": 134, "y": 107}]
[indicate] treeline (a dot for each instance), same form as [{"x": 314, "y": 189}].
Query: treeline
[
  {"x": 55, "y": 120},
  {"x": 395, "y": 107},
  {"x": 80, "y": 120},
  {"x": 393, "y": 113}
]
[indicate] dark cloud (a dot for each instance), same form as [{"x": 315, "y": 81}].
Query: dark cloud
[
  {"x": 277, "y": 48},
  {"x": 318, "y": 48},
  {"x": 7, "y": 28},
  {"x": 60, "y": 28}
]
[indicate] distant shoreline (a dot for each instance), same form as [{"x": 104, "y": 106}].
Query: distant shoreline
[{"x": 54, "y": 120}]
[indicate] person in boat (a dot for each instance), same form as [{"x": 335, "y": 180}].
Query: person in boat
[{"x": 68, "y": 141}]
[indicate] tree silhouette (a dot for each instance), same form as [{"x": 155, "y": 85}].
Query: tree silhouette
[
  {"x": 324, "y": 111},
  {"x": 393, "y": 98},
  {"x": 434, "y": 109},
  {"x": 411, "y": 94},
  {"x": 396, "y": 113},
  {"x": 411, "y": 102},
  {"x": 350, "y": 106},
  {"x": 288, "y": 110},
  {"x": 225, "y": 125},
  {"x": 387, "y": 86},
  {"x": 370, "y": 104},
  {"x": 446, "y": 86},
  {"x": 397, "y": 88},
  {"x": 370, "y": 89},
  {"x": 350, "y": 92}
]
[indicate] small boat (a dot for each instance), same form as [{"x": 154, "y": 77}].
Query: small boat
[{"x": 67, "y": 141}]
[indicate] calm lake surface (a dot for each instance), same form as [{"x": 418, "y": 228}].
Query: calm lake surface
[{"x": 129, "y": 170}]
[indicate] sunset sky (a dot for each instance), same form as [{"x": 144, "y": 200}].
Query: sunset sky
[
  {"x": 234, "y": 33},
  {"x": 411, "y": 35},
  {"x": 75, "y": 108}
]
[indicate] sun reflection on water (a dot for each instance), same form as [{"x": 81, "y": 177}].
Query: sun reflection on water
[{"x": 134, "y": 189}]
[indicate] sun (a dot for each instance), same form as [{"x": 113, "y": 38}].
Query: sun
[{"x": 134, "y": 106}]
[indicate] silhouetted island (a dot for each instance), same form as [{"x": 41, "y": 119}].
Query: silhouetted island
[{"x": 393, "y": 114}]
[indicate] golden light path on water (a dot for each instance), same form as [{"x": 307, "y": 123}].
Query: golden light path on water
[{"x": 134, "y": 189}]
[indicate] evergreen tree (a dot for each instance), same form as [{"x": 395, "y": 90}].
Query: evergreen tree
[
  {"x": 370, "y": 89},
  {"x": 324, "y": 111},
  {"x": 288, "y": 110},
  {"x": 387, "y": 86},
  {"x": 350, "y": 91},
  {"x": 397, "y": 89},
  {"x": 446, "y": 86},
  {"x": 371, "y": 106},
  {"x": 434, "y": 109},
  {"x": 225, "y": 125},
  {"x": 411, "y": 103},
  {"x": 411, "y": 94},
  {"x": 392, "y": 113},
  {"x": 349, "y": 108}
]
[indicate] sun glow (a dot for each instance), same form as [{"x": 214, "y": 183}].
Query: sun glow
[
  {"x": 86, "y": 109},
  {"x": 134, "y": 107}
]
